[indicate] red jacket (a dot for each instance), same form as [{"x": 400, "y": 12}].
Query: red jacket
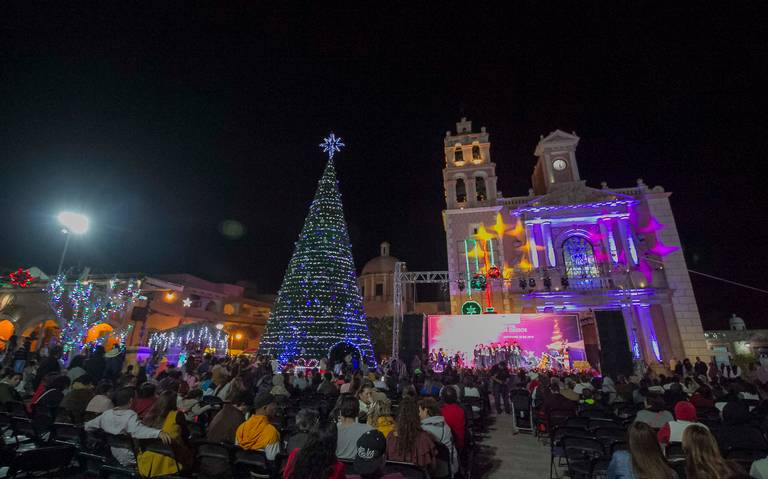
[
  {"x": 454, "y": 417},
  {"x": 337, "y": 473},
  {"x": 684, "y": 411}
]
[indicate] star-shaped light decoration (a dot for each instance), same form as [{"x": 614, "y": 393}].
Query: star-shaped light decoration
[
  {"x": 187, "y": 302},
  {"x": 331, "y": 145}
]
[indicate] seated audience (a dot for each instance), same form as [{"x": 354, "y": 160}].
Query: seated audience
[
  {"x": 672, "y": 432},
  {"x": 557, "y": 402},
  {"x": 365, "y": 397},
  {"x": 644, "y": 458},
  {"x": 370, "y": 461},
  {"x": 47, "y": 402},
  {"x": 454, "y": 416},
  {"x": 164, "y": 416},
  {"x": 702, "y": 456},
  {"x": 702, "y": 399},
  {"x": 433, "y": 422},
  {"x": 307, "y": 422},
  {"x": 145, "y": 398},
  {"x": 122, "y": 419},
  {"x": 102, "y": 399},
  {"x": 77, "y": 399},
  {"x": 380, "y": 415},
  {"x": 655, "y": 414},
  {"x": 76, "y": 368},
  {"x": 409, "y": 442},
  {"x": 327, "y": 387},
  {"x": 349, "y": 429},
  {"x": 8, "y": 385},
  {"x": 224, "y": 424},
  {"x": 316, "y": 460},
  {"x": 257, "y": 433},
  {"x": 736, "y": 431}
]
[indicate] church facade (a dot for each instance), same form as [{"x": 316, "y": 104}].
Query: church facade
[{"x": 610, "y": 256}]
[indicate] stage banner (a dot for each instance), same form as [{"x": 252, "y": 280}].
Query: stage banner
[{"x": 537, "y": 335}]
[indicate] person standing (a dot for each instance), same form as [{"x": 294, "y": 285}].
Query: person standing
[{"x": 499, "y": 377}]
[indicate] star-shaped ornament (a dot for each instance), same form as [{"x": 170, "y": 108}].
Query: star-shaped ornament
[{"x": 187, "y": 302}]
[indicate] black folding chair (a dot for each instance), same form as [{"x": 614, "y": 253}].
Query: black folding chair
[
  {"x": 609, "y": 437},
  {"x": 595, "y": 424},
  {"x": 745, "y": 456},
  {"x": 252, "y": 464},
  {"x": 50, "y": 461},
  {"x": 522, "y": 409},
  {"x": 581, "y": 455},
  {"x": 557, "y": 449},
  {"x": 214, "y": 460},
  {"x": 118, "y": 472},
  {"x": 674, "y": 451},
  {"x": 71, "y": 434},
  {"x": 24, "y": 427},
  {"x": 410, "y": 471},
  {"x": 577, "y": 421}
]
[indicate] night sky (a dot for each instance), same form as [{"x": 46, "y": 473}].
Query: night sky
[{"x": 163, "y": 121}]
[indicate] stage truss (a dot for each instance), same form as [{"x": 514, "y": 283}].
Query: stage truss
[{"x": 402, "y": 277}]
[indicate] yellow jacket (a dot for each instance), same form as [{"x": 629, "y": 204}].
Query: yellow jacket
[
  {"x": 152, "y": 464},
  {"x": 256, "y": 433}
]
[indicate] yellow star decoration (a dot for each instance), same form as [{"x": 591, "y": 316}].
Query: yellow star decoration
[
  {"x": 518, "y": 231},
  {"x": 483, "y": 234}
]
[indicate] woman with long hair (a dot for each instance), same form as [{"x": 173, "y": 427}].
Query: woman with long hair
[
  {"x": 164, "y": 416},
  {"x": 643, "y": 460},
  {"x": 702, "y": 456},
  {"x": 380, "y": 415},
  {"x": 317, "y": 459},
  {"x": 409, "y": 442}
]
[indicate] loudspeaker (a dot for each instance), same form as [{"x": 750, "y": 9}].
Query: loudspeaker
[
  {"x": 412, "y": 336},
  {"x": 615, "y": 355}
]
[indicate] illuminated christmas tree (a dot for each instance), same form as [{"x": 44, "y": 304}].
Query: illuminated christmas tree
[
  {"x": 319, "y": 306},
  {"x": 557, "y": 336}
]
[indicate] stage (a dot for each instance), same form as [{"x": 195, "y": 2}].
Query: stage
[{"x": 525, "y": 340}]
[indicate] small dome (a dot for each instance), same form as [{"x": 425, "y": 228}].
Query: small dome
[
  {"x": 381, "y": 264},
  {"x": 737, "y": 323}
]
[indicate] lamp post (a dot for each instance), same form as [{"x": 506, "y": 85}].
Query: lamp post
[{"x": 71, "y": 223}]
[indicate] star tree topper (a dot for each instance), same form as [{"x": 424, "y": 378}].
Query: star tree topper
[{"x": 331, "y": 145}]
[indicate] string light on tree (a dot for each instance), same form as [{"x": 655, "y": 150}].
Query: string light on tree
[
  {"x": 319, "y": 304},
  {"x": 80, "y": 306}
]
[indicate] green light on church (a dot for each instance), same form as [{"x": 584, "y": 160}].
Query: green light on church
[{"x": 471, "y": 307}]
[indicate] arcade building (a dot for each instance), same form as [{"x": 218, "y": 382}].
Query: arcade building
[{"x": 608, "y": 258}]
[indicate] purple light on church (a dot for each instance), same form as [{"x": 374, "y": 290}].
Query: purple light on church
[
  {"x": 660, "y": 249},
  {"x": 652, "y": 226}
]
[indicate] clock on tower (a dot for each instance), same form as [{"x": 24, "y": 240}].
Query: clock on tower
[{"x": 557, "y": 161}]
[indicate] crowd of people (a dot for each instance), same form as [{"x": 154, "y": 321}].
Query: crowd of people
[{"x": 313, "y": 423}]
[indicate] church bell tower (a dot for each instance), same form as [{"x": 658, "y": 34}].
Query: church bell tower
[{"x": 469, "y": 176}]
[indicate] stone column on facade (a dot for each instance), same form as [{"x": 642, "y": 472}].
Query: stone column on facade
[
  {"x": 549, "y": 249},
  {"x": 490, "y": 185},
  {"x": 532, "y": 244},
  {"x": 624, "y": 233},
  {"x": 686, "y": 311},
  {"x": 604, "y": 241},
  {"x": 650, "y": 343},
  {"x": 450, "y": 191},
  {"x": 471, "y": 187}
]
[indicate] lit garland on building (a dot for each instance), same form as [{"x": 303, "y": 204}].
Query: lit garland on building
[
  {"x": 80, "y": 307},
  {"x": 190, "y": 337},
  {"x": 319, "y": 304}
]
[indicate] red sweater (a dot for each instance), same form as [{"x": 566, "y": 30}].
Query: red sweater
[
  {"x": 454, "y": 417},
  {"x": 338, "y": 468}
]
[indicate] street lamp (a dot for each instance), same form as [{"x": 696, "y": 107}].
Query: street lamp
[{"x": 71, "y": 223}]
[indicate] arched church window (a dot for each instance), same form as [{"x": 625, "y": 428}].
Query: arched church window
[
  {"x": 461, "y": 191},
  {"x": 476, "y": 153},
  {"x": 480, "y": 188},
  {"x": 458, "y": 155},
  {"x": 579, "y": 258}
]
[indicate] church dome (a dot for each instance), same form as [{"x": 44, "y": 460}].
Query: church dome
[
  {"x": 381, "y": 264},
  {"x": 736, "y": 323}
]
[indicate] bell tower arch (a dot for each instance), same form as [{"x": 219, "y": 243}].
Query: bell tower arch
[{"x": 469, "y": 176}]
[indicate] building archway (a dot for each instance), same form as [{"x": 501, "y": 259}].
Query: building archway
[{"x": 341, "y": 350}]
